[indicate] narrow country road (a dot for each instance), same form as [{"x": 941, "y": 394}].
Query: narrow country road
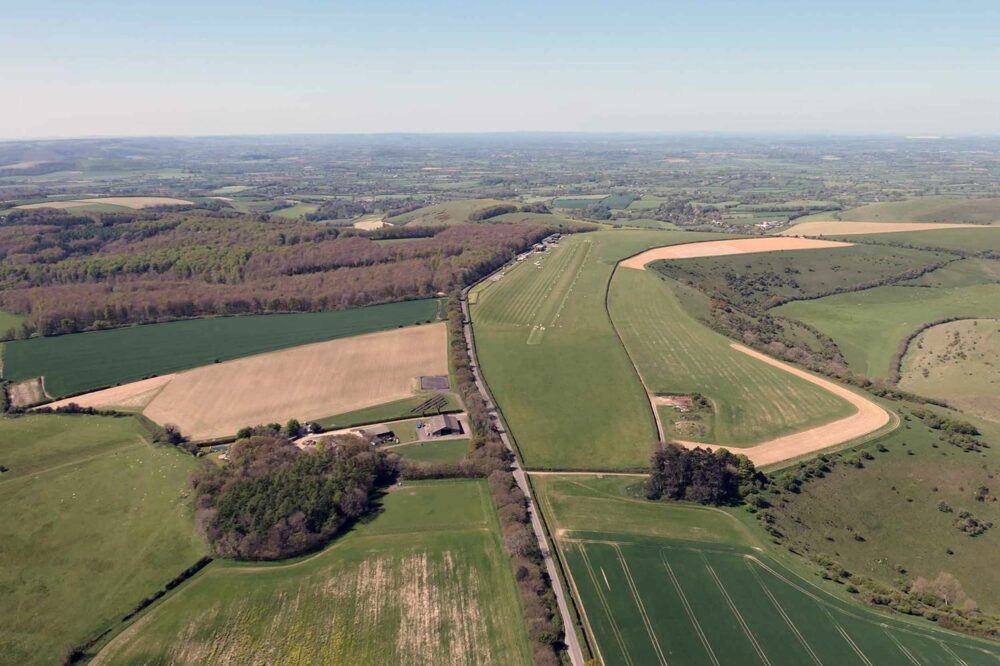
[{"x": 572, "y": 644}]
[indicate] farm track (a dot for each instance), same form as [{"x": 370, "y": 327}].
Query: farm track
[{"x": 572, "y": 642}]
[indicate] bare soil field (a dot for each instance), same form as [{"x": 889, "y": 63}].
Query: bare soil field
[
  {"x": 135, "y": 395},
  {"x": 28, "y": 392},
  {"x": 839, "y": 228},
  {"x": 305, "y": 382},
  {"x": 370, "y": 224},
  {"x": 719, "y": 248},
  {"x": 868, "y": 418},
  {"x": 128, "y": 202}
]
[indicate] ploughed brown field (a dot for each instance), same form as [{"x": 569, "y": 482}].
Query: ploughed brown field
[
  {"x": 719, "y": 248},
  {"x": 307, "y": 382},
  {"x": 128, "y": 202}
]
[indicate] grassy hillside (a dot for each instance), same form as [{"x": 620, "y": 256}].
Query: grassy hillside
[
  {"x": 957, "y": 362},
  {"x": 682, "y": 584},
  {"x": 885, "y": 519},
  {"x": 751, "y": 401},
  {"x": 75, "y": 363},
  {"x": 756, "y": 280},
  {"x": 868, "y": 326},
  {"x": 97, "y": 521},
  {"x": 450, "y": 212},
  {"x": 552, "y": 359},
  {"x": 425, "y": 581},
  {"x": 928, "y": 209},
  {"x": 968, "y": 240}
]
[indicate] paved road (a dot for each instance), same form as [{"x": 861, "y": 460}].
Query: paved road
[{"x": 572, "y": 644}]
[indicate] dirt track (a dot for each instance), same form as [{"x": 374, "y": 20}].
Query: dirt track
[
  {"x": 868, "y": 418},
  {"x": 720, "y": 248},
  {"x": 838, "y": 228}
]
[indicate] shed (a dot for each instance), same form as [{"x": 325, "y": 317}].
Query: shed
[
  {"x": 444, "y": 424},
  {"x": 379, "y": 433}
]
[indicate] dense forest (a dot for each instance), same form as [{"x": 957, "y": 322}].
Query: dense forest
[
  {"x": 69, "y": 272},
  {"x": 274, "y": 500}
]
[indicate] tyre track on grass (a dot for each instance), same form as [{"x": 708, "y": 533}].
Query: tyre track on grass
[{"x": 570, "y": 637}]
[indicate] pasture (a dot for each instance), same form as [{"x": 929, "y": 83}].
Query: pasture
[
  {"x": 894, "y": 503},
  {"x": 449, "y": 450},
  {"x": 956, "y": 362},
  {"x": 425, "y": 581},
  {"x": 81, "y": 362},
  {"x": 869, "y": 326},
  {"x": 981, "y": 239},
  {"x": 551, "y": 357},
  {"x": 305, "y": 382},
  {"x": 450, "y": 212},
  {"x": 752, "y": 401},
  {"x": 296, "y": 211},
  {"x": 683, "y": 584},
  {"x": 102, "y": 521},
  {"x": 840, "y": 228},
  {"x": 928, "y": 209}
]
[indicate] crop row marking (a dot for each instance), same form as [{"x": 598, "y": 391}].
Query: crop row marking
[
  {"x": 736, "y": 613},
  {"x": 849, "y": 640},
  {"x": 784, "y": 615},
  {"x": 902, "y": 649},
  {"x": 604, "y": 604},
  {"x": 641, "y": 607},
  {"x": 689, "y": 610}
]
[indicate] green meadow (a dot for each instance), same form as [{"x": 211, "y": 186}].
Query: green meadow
[
  {"x": 98, "y": 519},
  {"x": 869, "y": 326}
]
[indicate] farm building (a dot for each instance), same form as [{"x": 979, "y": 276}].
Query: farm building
[
  {"x": 379, "y": 434},
  {"x": 444, "y": 424}
]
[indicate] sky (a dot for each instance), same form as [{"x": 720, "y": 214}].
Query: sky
[{"x": 134, "y": 68}]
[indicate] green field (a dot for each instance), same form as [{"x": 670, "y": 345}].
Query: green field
[
  {"x": 956, "y": 362},
  {"x": 680, "y": 584},
  {"x": 928, "y": 209},
  {"x": 450, "y": 450},
  {"x": 451, "y": 212},
  {"x": 8, "y": 321},
  {"x": 296, "y": 211},
  {"x": 97, "y": 520},
  {"x": 869, "y": 325},
  {"x": 965, "y": 239},
  {"x": 675, "y": 354},
  {"x": 551, "y": 357},
  {"x": 80, "y": 362},
  {"x": 892, "y": 503},
  {"x": 391, "y": 411},
  {"x": 426, "y": 581}
]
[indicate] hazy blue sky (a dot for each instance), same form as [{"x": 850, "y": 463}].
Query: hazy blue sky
[{"x": 73, "y": 67}]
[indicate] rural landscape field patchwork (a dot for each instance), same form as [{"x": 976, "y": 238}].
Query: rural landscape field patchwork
[{"x": 542, "y": 400}]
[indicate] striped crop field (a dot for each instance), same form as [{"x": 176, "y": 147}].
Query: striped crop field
[
  {"x": 682, "y": 584},
  {"x": 751, "y": 401}
]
